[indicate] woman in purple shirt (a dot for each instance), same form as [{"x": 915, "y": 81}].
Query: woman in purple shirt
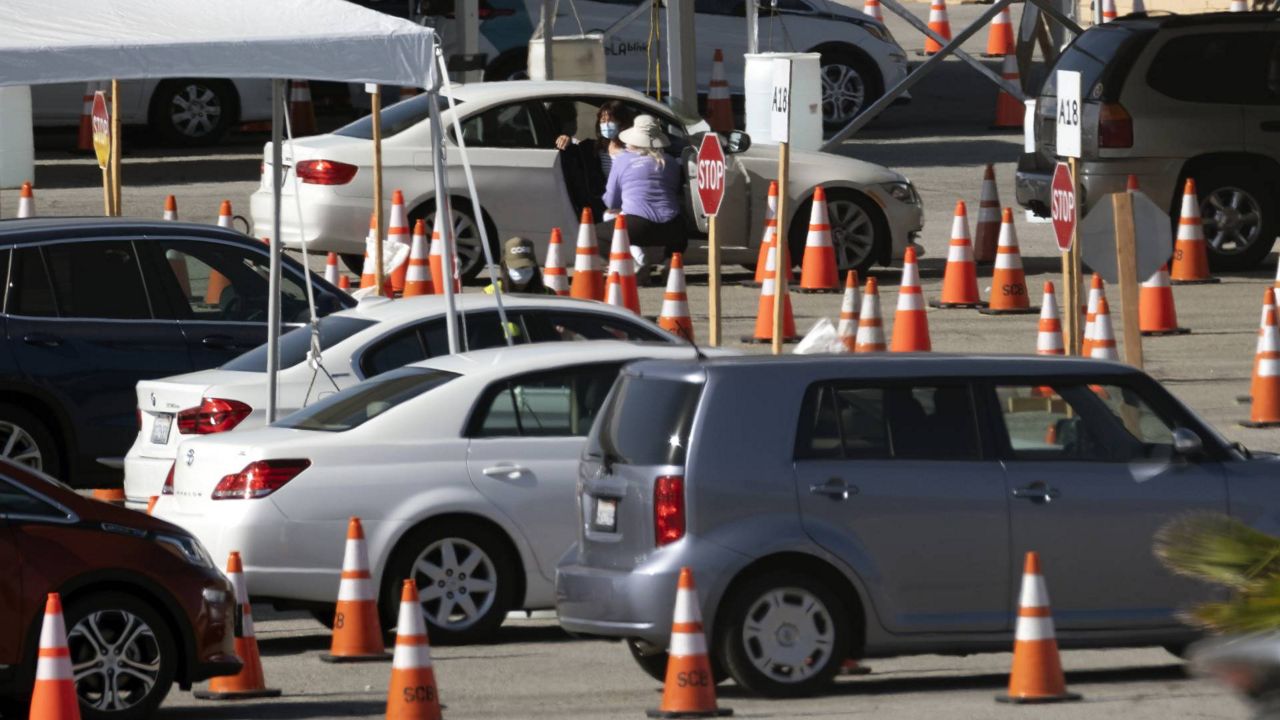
[{"x": 644, "y": 185}]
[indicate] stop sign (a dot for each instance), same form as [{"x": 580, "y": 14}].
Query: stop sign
[
  {"x": 101, "y": 124},
  {"x": 711, "y": 176},
  {"x": 1062, "y": 205}
]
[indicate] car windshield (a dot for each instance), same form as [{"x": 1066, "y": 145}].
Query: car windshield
[
  {"x": 1089, "y": 56},
  {"x": 295, "y": 343},
  {"x": 395, "y": 118},
  {"x": 357, "y": 405}
]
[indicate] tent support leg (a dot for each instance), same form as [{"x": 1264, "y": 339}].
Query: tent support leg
[{"x": 273, "y": 281}]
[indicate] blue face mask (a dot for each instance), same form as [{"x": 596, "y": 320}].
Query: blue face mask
[{"x": 609, "y": 130}]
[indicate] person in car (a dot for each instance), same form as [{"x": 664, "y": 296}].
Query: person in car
[
  {"x": 519, "y": 270},
  {"x": 587, "y": 162},
  {"x": 644, "y": 185}
]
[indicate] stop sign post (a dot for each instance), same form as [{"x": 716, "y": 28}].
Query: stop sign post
[
  {"x": 711, "y": 181},
  {"x": 1064, "y": 209},
  {"x": 100, "y": 122}
]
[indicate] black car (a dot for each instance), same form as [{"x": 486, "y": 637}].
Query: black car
[{"x": 93, "y": 305}]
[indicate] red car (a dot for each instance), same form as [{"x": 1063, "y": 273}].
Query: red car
[{"x": 145, "y": 606}]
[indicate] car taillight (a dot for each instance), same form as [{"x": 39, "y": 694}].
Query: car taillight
[
  {"x": 325, "y": 172},
  {"x": 1115, "y": 127},
  {"x": 168, "y": 481},
  {"x": 214, "y": 415},
  {"x": 668, "y": 509},
  {"x": 258, "y": 479}
]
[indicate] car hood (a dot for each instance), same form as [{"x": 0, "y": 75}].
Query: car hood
[{"x": 825, "y": 164}]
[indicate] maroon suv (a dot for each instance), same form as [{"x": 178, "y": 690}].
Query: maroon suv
[{"x": 144, "y": 604}]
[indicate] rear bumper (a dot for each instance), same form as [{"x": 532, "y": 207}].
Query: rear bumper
[
  {"x": 334, "y": 223},
  {"x": 143, "y": 479},
  {"x": 1157, "y": 178}
]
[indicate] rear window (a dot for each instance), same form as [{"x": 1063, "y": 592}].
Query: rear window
[
  {"x": 362, "y": 403},
  {"x": 295, "y": 344},
  {"x": 647, "y": 421},
  {"x": 396, "y": 118},
  {"x": 1090, "y": 55}
]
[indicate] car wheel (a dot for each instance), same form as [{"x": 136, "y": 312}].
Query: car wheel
[
  {"x": 783, "y": 634},
  {"x": 123, "y": 656},
  {"x": 26, "y": 440},
  {"x": 193, "y": 111},
  {"x": 1239, "y": 213},
  {"x": 654, "y": 664},
  {"x": 465, "y": 581},
  {"x": 467, "y": 232},
  {"x": 858, "y": 230},
  {"x": 850, "y": 83}
]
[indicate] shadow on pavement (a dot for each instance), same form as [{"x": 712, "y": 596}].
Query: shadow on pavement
[
  {"x": 152, "y": 174},
  {"x": 284, "y": 709}
]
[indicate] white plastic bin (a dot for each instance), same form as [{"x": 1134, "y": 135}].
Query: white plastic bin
[
  {"x": 806, "y": 98},
  {"x": 574, "y": 57},
  {"x": 17, "y": 148}
]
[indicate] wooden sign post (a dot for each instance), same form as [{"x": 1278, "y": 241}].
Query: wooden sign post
[
  {"x": 780, "y": 127},
  {"x": 116, "y": 196},
  {"x": 711, "y": 182},
  {"x": 1127, "y": 270},
  {"x": 375, "y": 98}
]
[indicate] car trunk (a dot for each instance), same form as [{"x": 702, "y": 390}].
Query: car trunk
[
  {"x": 159, "y": 402},
  {"x": 200, "y": 466}
]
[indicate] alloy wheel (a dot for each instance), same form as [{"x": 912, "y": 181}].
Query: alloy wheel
[
  {"x": 788, "y": 634},
  {"x": 844, "y": 93},
  {"x": 20, "y": 446},
  {"x": 195, "y": 110},
  {"x": 457, "y": 582},
  {"x": 115, "y": 659},
  {"x": 467, "y": 237},
  {"x": 853, "y": 232},
  {"x": 1232, "y": 219}
]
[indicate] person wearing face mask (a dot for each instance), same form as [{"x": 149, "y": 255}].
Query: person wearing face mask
[
  {"x": 519, "y": 270},
  {"x": 644, "y": 185},
  {"x": 587, "y": 162}
]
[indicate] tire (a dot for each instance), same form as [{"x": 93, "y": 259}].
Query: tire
[
  {"x": 193, "y": 111},
  {"x": 859, "y": 231},
  {"x": 850, "y": 83},
  {"x": 496, "y": 569},
  {"x": 769, "y": 602},
  {"x": 353, "y": 261},
  {"x": 151, "y": 651},
  {"x": 654, "y": 664},
  {"x": 35, "y": 446},
  {"x": 1229, "y": 197},
  {"x": 470, "y": 254}
]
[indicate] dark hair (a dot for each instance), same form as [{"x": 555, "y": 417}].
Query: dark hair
[{"x": 621, "y": 114}]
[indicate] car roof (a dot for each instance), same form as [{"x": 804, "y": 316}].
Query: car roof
[
  {"x": 386, "y": 310},
  {"x": 499, "y": 362},
  {"x": 489, "y": 92},
  {"x": 889, "y": 366},
  {"x": 32, "y": 230}
]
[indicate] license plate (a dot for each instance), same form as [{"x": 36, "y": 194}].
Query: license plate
[
  {"x": 606, "y": 514},
  {"x": 160, "y": 429}
]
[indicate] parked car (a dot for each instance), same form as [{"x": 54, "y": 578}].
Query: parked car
[
  {"x": 466, "y": 466},
  {"x": 863, "y": 506},
  {"x": 178, "y": 111},
  {"x": 143, "y": 603},
  {"x": 94, "y": 305},
  {"x": 510, "y": 136},
  {"x": 1171, "y": 97},
  {"x": 356, "y": 344}
]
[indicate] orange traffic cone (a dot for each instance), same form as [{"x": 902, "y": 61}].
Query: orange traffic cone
[
  {"x": 357, "y": 634},
  {"x": 1009, "y": 109},
  {"x": 554, "y": 274},
  {"x": 398, "y": 232},
  {"x": 910, "y": 322},
  {"x": 249, "y": 682},
  {"x": 1190, "y": 257},
  {"x": 1037, "y": 670},
  {"x": 690, "y": 690},
  {"x": 719, "y": 107},
  {"x": 818, "y": 269},
  {"x": 1108, "y": 10},
  {"x": 84, "y": 140},
  {"x": 225, "y": 218},
  {"x": 1277, "y": 280},
  {"x": 170, "y": 208},
  {"x": 417, "y": 278},
  {"x": 1265, "y": 385},
  {"x": 344, "y": 283},
  {"x": 986, "y": 233},
  {"x": 331, "y": 271},
  {"x": 436, "y": 258},
  {"x": 872, "y": 8},
  {"x": 675, "y": 302},
  {"x": 302, "y": 114},
  {"x": 1008, "y": 282},
  {"x": 109, "y": 495},
  {"x": 940, "y": 24},
  {"x": 54, "y": 695},
  {"x": 1000, "y": 35},
  {"x": 217, "y": 281},
  {"x": 177, "y": 262},
  {"x": 1268, "y": 310},
  {"x": 26, "y": 201},
  {"x": 151, "y": 504},
  {"x": 870, "y": 336},
  {"x": 1097, "y": 291},
  {"x": 368, "y": 275},
  {"x": 1156, "y": 312},
  {"x": 613, "y": 294},
  {"x": 764, "y": 311},
  {"x": 1102, "y": 345},
  {"x": 960, "y": 279},
  {"x": 770, "y": 234},
  {"x": 847, "y": 330},
  {"x": 588, "y": 279},
  {"x": 1049, "y": 336},
  {"x": 412, "y": 694},
  {"x": 622, "y": 263}
]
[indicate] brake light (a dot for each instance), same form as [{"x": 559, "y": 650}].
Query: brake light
[
  {"x": 214, "y": 415},
  {"x": 325, "y": 172},
  {"x": 668, "y": 509},
  {"x": 258, "y": 479},
  {"x": 1115, "y": 127},
  {"x": 168, "y": 481}
]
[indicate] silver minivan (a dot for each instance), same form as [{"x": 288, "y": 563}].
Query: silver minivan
[{"x": 837, "y": 507}]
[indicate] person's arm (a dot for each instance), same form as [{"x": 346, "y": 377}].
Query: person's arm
[{"x": 613, "y": 186}]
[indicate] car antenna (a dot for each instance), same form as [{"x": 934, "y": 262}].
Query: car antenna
[{"x": 697, "y": 350}]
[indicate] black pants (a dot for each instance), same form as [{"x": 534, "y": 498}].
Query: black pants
[{"x": 669, "y": 235}]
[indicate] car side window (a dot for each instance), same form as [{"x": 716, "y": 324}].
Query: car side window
[
  {"x": 17, "y": 501},
  {"x": 1229, "y": 68},
  {"x": 1081, "y": 422},
  {"x": 557, "y": 403},
  {"x": 30, "y": 292},
  {"x": 556, "y": 326},
  {"x": 906, "y": 422},
  {"x": 506, "y": 126},
  {"x": 393, "y": 352},
  {"x": 225, "y": 283},
  {"x": 736, "y": 8},
  {"x": 482, "y": 331},
  {"x": 98, "y": 279}
]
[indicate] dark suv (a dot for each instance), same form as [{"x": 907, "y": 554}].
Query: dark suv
[
  {"x": 1169, "y": 98},
  {"x": 91, "y": 306}
]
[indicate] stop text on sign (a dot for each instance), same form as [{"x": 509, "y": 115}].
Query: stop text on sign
[
  {"x": 711, "y": 174},
  {"x": 1063, "y": 205}
]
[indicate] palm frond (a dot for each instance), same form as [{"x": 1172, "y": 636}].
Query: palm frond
[{"x": 1220, "y": 550}]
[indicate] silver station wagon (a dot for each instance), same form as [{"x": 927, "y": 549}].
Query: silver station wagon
[{"x": 836, "y": 507}]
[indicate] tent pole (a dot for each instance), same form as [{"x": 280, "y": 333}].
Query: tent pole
[
  {"x": 438, "y": 170},
  {"x": 273, "y": 281},
  {"x": 375, "y": 97},
  {"x": 115, "y": 148}
]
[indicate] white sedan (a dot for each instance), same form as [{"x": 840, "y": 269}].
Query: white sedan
[
  {"x": 462, "y": 468},
  {"x": 376, "y": 336},
  {"x": 510, "y": 133}
]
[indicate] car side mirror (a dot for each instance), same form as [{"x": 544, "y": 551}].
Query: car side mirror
[
  {"x": 738, "y": 142},
  {"x": 1186, "y": 443}
]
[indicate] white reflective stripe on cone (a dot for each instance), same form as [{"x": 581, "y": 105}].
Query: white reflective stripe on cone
[
  {"x": 355, "y": 557},
  {"x": 412, "y": 656},
  {"x": 686, "y": 610},
  {"x": 688, "y": 644},
  {"x": 1034, "y": 594},
  {"x": 1034, "y": 628},
  {"x": 911, "y": 301},
  {"x": 355, "y": 589},
  {"x": 1008, "y": 261},
  {"x": 960, "y": 253}
]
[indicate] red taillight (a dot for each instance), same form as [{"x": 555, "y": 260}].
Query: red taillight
[
  {"x": 168, "y": 481},
  {"x": 1115, "y": 127},
  {"x": 258, "y": 479},
  {"x": 668, "y": 509},
  {"x": 214, "y": 415},
  {"x": 325, "y": 172}
]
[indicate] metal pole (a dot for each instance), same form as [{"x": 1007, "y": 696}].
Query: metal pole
[
  {"x": 376, "y": 97},
  {"x": 681, "y": 58},
  {"x": 753, "y": 28},
  {"x": 446, "y": 225},
  {"x": 548, "y": 20},
  {"x": 713, "y": 282},
  {"x": 273, "y": 280},
  {"x": 470, "y": 17}
]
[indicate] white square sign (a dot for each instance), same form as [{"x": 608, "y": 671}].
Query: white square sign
[
  {"x": 1069, "y": 111},
  {"x": 780, "y": 102}
]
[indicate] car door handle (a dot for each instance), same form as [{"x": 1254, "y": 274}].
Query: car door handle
[
  {"x": 834, "y": 488},
  {"x": 505, "y": 471},
  {"x": 40, "y": 339},
  {"x": 1270, "y": 126},
  {"x": 1037, "y": 492},
  {"x": 218, "y": 342}
]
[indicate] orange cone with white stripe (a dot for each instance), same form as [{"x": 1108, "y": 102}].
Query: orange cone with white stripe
[
  {"x": 26, "y": 201},
  {"x": 847, "y": 329},
  {"x": 1009, "y": 109},
  {"x": 960, "y": 279},
  {"x": 54, "y": 695},
  {"x": 398, "y": 232},
  {"x": 170, "y": 208},
  {"x": 1268, "y": 310},
  {"x": 675, "y": 302},
  {"x": 554, "y": 274},
  {"x": 344, "y": 283},
  {"x": 417, "y": 278},
  {"x": 109, "y": 495},
  {"x": 986, "y": 234},
  {"x": 151, "y": 504},
  {"x": 1157, "y": 314},
  {"x": 690, "y": 689},
  {"x": 302, "y": 114},
  {"x": 177, "y": 262},
  {"x": 764, "y": 311},
  {"x": 770, "y": 235},
  {"x": 613, "y": 294},
  {"x": 1000, "y": 34},
  {"x": 872, "y": 8},
  {"x": 910, "y": 322},
  {"x": 249, "y": 682},
  {"x": 1265, "y": 388},
  {"x": 719, "y": 107},
  {"x": 84, "y": 139},
  {"x": 1108, "y": 10},
  {"x": 436, "y": 259},
  {"x": 413, "y": 693},
  {"x": 1037, "y": 670},
  {"x": 368, "y": 275},
  {"x": 588, "y": 278},
  {"x": 623, "y": 263},
  {"x": 1102, "y": 346},
  {"x": 217, "y": 281},
  {"x": 225, "y": 218},
  {"x": 940, "y": 23},
  {"x": 357, "y": 634},
  {"x": 818, "y": 269},
  {"x": 1097, "y": 291},
  {"x": 1190, "y": 256},
  {"x": 1049, "y": 335},
  {"x": 1008, "y": 282},
  {"x": 331, "y": 271},
  {"x": 870, "y": 337}
]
